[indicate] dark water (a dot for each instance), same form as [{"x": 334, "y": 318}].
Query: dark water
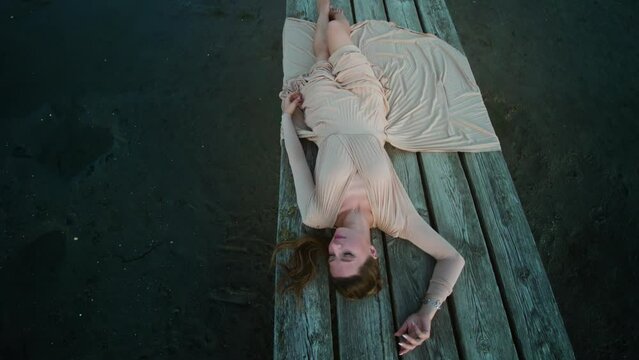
[
  {"x": 560, "y": 80},
  {"x": 139, "y": 163},
  {"x": 148, "y": 130}
]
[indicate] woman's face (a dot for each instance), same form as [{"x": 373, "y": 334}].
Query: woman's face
[{"x": 348, "y": 250}]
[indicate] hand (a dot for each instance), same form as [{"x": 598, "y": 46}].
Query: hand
[
  {"x": 414, "y": 331},
  {"x": 292, "y": 102}
]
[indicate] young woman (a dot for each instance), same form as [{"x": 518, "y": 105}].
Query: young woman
[{"x": 355, "y": 187}]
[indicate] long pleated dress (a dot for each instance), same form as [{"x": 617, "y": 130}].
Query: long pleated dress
[{"x": 393, "y": 85}]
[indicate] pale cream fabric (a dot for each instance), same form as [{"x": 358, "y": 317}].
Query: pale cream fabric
[
  {"x": 394, "y": 85},
  {"x": 435, "y": 103}
]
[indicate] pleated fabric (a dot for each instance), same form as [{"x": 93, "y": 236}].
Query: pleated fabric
[
  {"x": 393, "y": 85},
  {"x": 339, "y": 158}
]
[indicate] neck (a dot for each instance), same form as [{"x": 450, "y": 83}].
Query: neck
[{"x": 354, "y": 219}]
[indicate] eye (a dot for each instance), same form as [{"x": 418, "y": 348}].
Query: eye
[{"x": 347, "y": 253}]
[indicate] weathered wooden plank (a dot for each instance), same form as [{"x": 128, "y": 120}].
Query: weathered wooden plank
[
  {"x": 402, "y": 13},
  {"x": 304, "y": 9},
  {"x": 307, "y": 10},
  {"x": 369, "y": 9},
  {"x": 437, "y": 20},
  {"x": 539, "y": 329},
  {"x": 484, "y": 332},
  {"x": 306, "y": 332},
  {"x": 366, "y": 326},
  {"x": 300, "y": 333}
]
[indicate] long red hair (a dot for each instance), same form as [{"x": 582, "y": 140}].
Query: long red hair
[{"x": 301, "y": 268}]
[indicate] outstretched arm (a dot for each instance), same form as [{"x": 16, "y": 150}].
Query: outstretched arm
[
  {"x": 449, "y": 261},
  {"x": 417, "y": 327}
]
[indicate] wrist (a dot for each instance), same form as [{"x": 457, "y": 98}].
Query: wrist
[
  {"x": 427, "y": 311},
  {"x": 430, "y": 305}
]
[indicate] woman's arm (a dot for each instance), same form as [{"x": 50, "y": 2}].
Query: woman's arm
[
  {"x": 449, "y": 261},
  {"x": 302, "y": 177},
  {"x": 417, "y": 327}
]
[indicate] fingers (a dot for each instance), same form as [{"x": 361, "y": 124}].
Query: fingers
[
  {"x": 295, "y": 95},
  {"x": 298, "y": 102},
  {"x": 410, "y": 343},
  {"x": 417, "y": 336},
  {"x": 411, "y": 330},
  {"x": 410, "y": 340},
  {"x": 406, "y": 348},
  {"x": 296, "y": 98},
  {"x": 402, "y": 329}
]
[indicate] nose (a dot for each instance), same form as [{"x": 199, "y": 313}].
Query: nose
[{"x": 334, "y": 246}]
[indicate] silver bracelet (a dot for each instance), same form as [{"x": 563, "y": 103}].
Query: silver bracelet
[{"x": 434, "y": 302}]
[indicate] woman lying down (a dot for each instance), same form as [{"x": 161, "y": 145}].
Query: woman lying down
[{"x": 356, "y": 188}]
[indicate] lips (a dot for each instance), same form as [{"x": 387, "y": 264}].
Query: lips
[{"x": 338, "y": 236}]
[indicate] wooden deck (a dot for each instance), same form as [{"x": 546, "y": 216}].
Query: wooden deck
[{"x": 502, "y": 306}]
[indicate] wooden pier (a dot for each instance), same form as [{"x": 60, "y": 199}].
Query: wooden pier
[{"x": 502, "y": 306}]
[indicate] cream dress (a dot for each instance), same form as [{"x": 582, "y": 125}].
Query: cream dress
[{"x": 394, "y": 85}]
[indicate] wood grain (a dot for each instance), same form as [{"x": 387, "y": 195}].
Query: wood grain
[
  {"x": 484, "y": 332},
  {"x": 299, "y": 333},
  {"x": 537, "y": 324}
]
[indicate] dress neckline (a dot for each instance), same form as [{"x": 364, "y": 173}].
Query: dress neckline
[{"x": 343, "y": 194}]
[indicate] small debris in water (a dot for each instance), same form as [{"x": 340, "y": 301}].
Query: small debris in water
[{"x": 233, "y": 296}]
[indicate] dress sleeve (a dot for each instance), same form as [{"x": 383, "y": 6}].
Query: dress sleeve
[
  {"x": 449, "y": 261},
  {"x": 302, "y": 177}
]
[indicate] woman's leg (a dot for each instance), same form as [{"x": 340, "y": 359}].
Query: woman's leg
[
  {"x": 320, "y": 43},
  {"x": 338, "y": 14},
  {"x": 338, "y": 32}
]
